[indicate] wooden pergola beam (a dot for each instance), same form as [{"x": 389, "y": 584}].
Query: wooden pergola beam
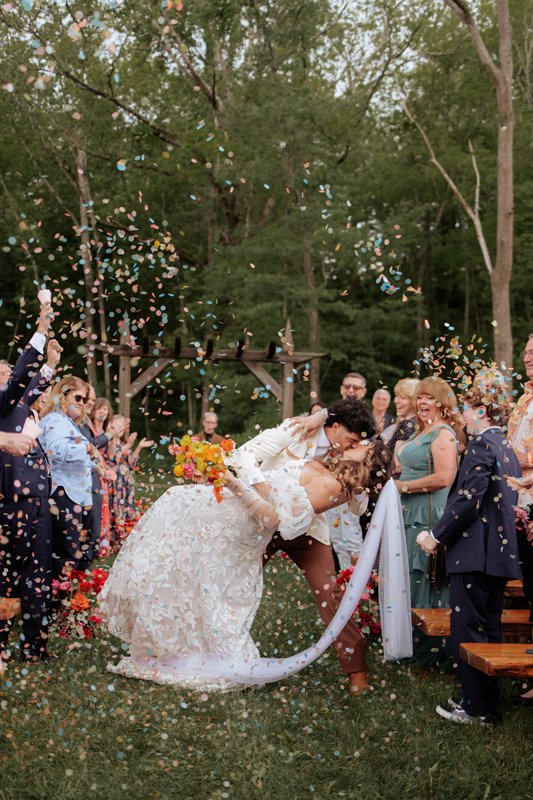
[
  {"x": 149, "y": 375},
  {"x": 266, "y": 378},
  {"x": 192, "y": 354},
  {"x": 163, "y": 357}
]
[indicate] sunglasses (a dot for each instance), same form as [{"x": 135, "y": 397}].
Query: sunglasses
[{"x": 80, "y": 398}]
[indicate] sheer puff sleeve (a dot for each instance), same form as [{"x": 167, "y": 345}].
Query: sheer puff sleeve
[{"x": 291, "y": 503}]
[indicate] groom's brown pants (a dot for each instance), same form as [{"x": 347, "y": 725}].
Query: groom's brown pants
[{"x": 316, "y": 562}]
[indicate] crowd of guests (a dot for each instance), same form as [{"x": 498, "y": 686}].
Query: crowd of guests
[
  {"x": 67, "y": 494},
  {"x": 465, "y": 475},
  {"x": 67, "y": 491}
]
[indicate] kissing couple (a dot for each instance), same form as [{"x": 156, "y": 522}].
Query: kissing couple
[{"x": 185, "y": 588}]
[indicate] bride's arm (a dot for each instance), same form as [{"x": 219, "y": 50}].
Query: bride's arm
[{"x": 254, "y": 500}]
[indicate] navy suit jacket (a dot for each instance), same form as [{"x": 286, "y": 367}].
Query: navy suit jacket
[
  {"x": 478, "y": 525},
  {"x": 23, "y": 476},
  {"x": 28, "y": 363}
]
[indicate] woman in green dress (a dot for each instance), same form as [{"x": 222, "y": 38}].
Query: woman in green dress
[{"x": 428, "y": 463}]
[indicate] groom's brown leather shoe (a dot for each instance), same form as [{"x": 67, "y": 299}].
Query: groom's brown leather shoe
[{"x": 359, "y": 683}]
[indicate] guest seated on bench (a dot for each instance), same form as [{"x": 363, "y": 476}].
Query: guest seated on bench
[{"x": 477, "y": 528}]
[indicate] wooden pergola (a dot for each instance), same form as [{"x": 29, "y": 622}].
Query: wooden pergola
[{"x": 163, "y": 357}]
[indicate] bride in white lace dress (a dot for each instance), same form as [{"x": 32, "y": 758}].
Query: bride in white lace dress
[{"x": 188, "y": 580}]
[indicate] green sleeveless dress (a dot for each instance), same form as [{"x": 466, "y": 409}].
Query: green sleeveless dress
[{"x": 420, "y": 511}]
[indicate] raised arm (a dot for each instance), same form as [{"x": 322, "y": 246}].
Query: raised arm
[
  {"x": 27, "y": 365},
  {"x": 268, "y": 443}
]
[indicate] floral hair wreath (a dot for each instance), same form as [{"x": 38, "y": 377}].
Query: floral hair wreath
[{"x": 490, "y": 388}]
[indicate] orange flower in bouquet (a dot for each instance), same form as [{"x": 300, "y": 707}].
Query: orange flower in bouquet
[
  {"x": 79, "y": 602},
  {"x": 201, "y": 462}
]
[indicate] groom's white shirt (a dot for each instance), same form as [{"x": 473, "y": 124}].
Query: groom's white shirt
[{"x": 275, "y": 447}]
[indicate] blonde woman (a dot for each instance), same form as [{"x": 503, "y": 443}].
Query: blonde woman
[
  {"x": 69, "y": 455},
  {"x": 406, "y": 424},
  {"x": 428, "y": 464}
]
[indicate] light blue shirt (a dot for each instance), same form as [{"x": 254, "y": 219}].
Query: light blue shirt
[{"x": 66, "y": 449}]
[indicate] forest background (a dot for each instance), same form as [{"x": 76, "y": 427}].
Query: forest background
[{"x": 208, "y": 170}]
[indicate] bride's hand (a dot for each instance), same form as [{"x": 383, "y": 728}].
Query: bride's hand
[{"x": 306, "y": 426}]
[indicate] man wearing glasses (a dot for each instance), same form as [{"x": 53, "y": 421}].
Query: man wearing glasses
[
  {"x": 353, "y": 385},
  {"x": 344, "y": 527}
]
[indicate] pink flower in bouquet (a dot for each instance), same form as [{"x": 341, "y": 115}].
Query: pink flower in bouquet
[{"x": 188, "y": 471}]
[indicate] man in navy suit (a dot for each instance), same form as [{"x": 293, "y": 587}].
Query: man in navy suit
[
  {"x": 478, "y": 530},
  {"x": 25, "y": 548}
]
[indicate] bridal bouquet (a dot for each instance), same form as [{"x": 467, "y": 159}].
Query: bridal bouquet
[
  {"x": 201, "y": 462},
  {"x": 77, "y": 594},
  {"x": 367, "y": 612}
]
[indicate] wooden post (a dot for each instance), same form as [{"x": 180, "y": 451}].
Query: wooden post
[
  {"x": 124, "y": 372},
  {"x": 288, "y": 375}
]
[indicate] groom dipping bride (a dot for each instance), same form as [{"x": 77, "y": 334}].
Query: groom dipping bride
[{"x": 187, "y": 584}]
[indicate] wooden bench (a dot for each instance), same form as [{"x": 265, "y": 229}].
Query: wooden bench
[
  {"x": 499, "y": 659},
  {"x": 514, "y": 589},
  {"x": 436, "y": 621}
]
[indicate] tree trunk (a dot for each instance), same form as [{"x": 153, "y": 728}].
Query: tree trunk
[
  {"x": 314, "y": 320},
  {"x": 501, "y": 277},
  {"x": 501, "y": 313},
  {"x": 501, "y": 75},
  {"x": 87, "y": 217},
  {"x": 87, "y": 256}
]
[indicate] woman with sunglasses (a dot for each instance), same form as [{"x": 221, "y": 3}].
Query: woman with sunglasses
[{"x": 70, "y": 457}]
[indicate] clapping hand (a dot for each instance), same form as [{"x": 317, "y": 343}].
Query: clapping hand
[
  {"x": 427, "y": 542},
  {"x": 116, "y": 427},
  {"x": 145, "y": 443},
  {"x": 131, "y": 440}
]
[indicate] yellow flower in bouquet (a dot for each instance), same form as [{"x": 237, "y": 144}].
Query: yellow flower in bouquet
[{"x": 201, "y": 462}]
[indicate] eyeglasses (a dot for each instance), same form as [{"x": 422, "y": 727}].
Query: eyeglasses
[
  {"x": 525, "y": 353},
  {"x": 80, "y": 398},
  {"x": 355, "y": 386}
]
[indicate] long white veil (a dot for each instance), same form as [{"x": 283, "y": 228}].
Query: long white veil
[{"x": 386, "y": 528}]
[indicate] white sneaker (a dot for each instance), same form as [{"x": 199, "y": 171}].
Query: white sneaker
[
  {"x": 460, "y": 715},
  {"x": 454, "y": 704}
]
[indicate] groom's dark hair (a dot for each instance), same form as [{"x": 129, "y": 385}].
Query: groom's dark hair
[{"x": 354, "y": 415}]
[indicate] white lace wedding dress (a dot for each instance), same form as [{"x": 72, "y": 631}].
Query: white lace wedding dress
[{"x": 188, "y": 581}]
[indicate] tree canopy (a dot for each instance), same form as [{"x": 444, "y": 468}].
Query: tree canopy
[{"x": 209, "y": 169}]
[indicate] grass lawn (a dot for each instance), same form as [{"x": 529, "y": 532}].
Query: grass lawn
[{"x": 72, "y": 730}]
